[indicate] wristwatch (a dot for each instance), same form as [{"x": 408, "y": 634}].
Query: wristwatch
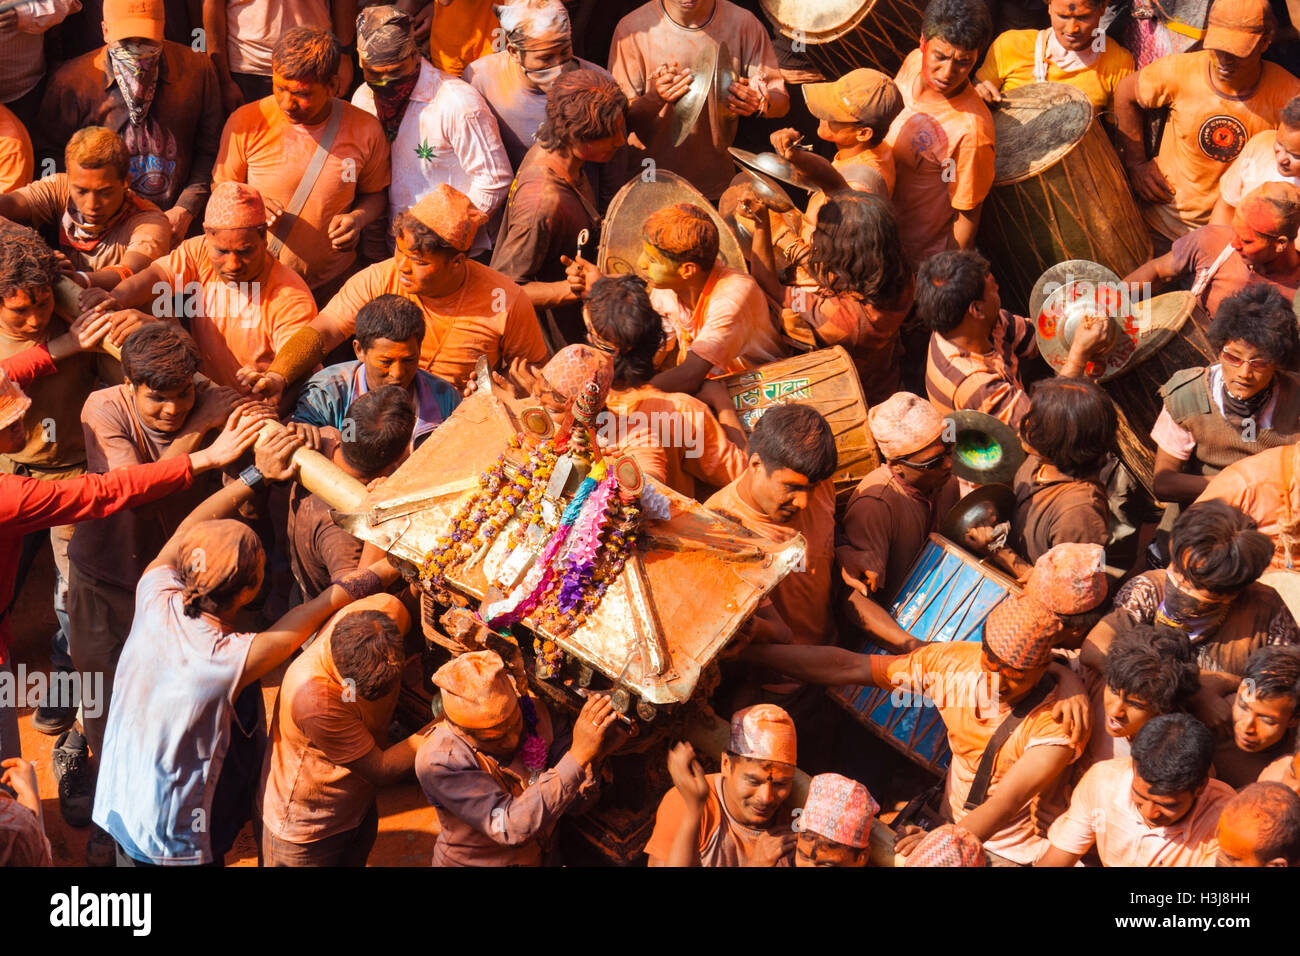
[{"x": 251, "y": 476}]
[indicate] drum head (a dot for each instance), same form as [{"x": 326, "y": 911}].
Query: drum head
[
  {"x": 1063, "y": 272},
  {"x": 1035, "y": 126},
  {"x": 620, "y": 236},
  {"x": 986, "y": 450},
  {"x": 818, "y": 22}
]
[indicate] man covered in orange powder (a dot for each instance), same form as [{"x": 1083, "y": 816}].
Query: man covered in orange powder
[{"x": 1260, "y": 827}]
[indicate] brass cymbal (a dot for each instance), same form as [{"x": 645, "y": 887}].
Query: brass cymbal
[
  {"x": 686, "y": 111},
  {"x": 986, "y": 450}
]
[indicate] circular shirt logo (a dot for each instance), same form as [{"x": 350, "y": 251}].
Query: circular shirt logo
[{"x": 1222, "y": 138}]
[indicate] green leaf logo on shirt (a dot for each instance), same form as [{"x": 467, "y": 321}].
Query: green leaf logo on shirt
[{"x": 424, "y": 150}]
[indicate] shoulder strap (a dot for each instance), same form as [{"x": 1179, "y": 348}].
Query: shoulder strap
[
  {"x": 979, "y": 787},
  {"x": 1185, "y": 394},
  {"x": 309, "y": 177},
  {"x": 1205, "y": 276}
]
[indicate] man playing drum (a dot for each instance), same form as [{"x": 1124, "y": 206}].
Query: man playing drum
[
  {"x": 1270, "y": 156},
  {"x": 1075, "y": 51},
  {"x": 976, "y": 346},
  {"x": 892, "y": 511},
  {"x": 1259, "y": 245},
  {"x": 943, "y": 138},
  {"x": 1218, "y": 97},
  {"x": 975, "y": 688}
]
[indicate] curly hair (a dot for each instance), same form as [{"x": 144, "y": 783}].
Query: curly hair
[
  {"x": 856, "y": 249},
  {"x": 966, "y": 24},
  {"x": 307, "y": 55},
  {"x": 26, "y": 263},
  {"x": 1260, "y": 316},
  {"x": 1154, "y": 665},
  {"x": 620, "y": 312},
  {"x": 582, "y": 106}
]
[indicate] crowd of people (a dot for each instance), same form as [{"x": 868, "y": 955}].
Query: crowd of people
[{"x": 234, "y": 231}]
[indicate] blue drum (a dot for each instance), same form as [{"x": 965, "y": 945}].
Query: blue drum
[{"x": 946, "y": 596}]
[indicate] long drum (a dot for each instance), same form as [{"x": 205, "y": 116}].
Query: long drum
[
  {"x": 843, "y": 35},
  {"x": 1136, "y": 391},
  {"x": 828, "y": 381},
  {"x": 1058, "y": 193},
  {"x": 947, "y": 596}
]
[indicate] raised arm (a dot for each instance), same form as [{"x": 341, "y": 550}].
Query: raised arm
[{"x": 816, "y": 664}]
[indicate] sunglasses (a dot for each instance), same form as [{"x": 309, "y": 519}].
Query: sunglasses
[
  {"x": 938, "y": 461},
  {"x": 1236, "y": 361}
]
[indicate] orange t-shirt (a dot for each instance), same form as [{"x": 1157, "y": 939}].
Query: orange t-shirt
[
  {"x": 1256, "y": 486},
  {"x": 307, "y": 793},
  {"x": 803, "y": 598},
  {"x": 462, "y": 32},
  {"x": 16, "y": 159},
  {"x": 1206, "y": 131},
  {"x": 489, "y": 315},
  {"x": 950, "y": 675},
  {"x": 236, "y": 325},
  {"x": 730, "y": 325},
  {"x": 879, "y": 159},
  {"x": 675, "y": 438},
  {"x": 259, "y": 146},
  {"x": 943, "y": 155}
]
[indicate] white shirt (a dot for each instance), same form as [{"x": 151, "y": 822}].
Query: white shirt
[{"x": 447, "y": 135}]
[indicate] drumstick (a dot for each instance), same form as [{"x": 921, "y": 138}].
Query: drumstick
[{"x": 583, "y": 236}]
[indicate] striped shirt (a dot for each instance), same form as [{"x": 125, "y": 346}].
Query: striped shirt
[{"x": 984, "y": 381}]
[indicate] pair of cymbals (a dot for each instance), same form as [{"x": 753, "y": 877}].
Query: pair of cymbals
[
  {"x": 985, "y": 450},
  {"x": 1070, "y": 292},
  {"x": 711, "y": 77}
]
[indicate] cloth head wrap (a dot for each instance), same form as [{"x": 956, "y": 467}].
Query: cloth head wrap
[
  {"x": 385, "y": 35},
  {"x": 763, "y": 732},
  {"x": 904, "y": 423},
  {"x": 838, "y": 809},
  {"x": 214, "y": 554},
  {"x": 1020, "y": 632},
  {"x": 574, "y": 366},
  {"x": 1070, "y": 578},
  {"x": 534, "y": 24},
  {"x": 949, "y": 845},
  {"x": 449, "y": 213},
  {"x": 234, "y": 206},
  {"x": 477, "y": 692}
]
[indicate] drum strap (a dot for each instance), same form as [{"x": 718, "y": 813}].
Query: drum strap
[
  {"x": 1205, "y": 276},
  {"x": 979, "y": 787}
]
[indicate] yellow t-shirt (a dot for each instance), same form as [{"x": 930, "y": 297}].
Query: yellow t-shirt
[{"x": 1010, "y": 64}]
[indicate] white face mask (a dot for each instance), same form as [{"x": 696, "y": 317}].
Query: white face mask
[{"x": 546, "y": 78}]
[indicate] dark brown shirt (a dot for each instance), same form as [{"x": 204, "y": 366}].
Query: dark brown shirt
[
  {"x": 173, "y": 151},
  {"x": 319, "y": 550},
  {"x": 1052, "y": 508}
]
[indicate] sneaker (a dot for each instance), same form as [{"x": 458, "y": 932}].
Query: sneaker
[
  {"x": 57, "y": 710},
  {"x": 72, "y": 771},
  {"x": 101, "y": 850}
]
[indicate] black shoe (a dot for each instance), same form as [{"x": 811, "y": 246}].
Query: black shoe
[
  {"x": 72, "y": 771},
  {"x": 57, "y": 710}
]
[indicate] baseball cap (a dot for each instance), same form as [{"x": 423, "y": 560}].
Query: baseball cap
[
  {"x": 133, "y": 18},
  {"x": 1237, "y": 26},
  {"x": 864, "y": 96}
]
